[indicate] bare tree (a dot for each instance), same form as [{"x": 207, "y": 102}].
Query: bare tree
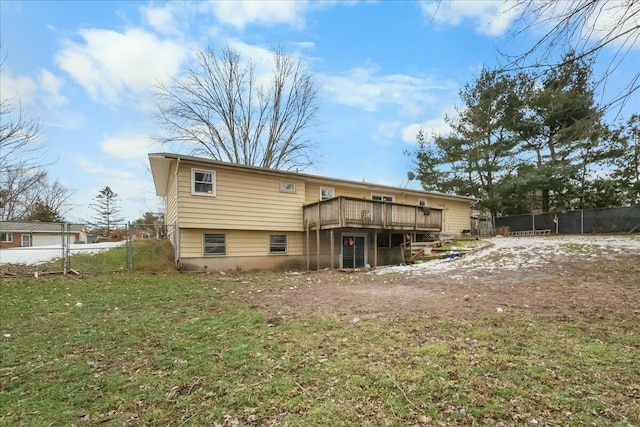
[
  {"x": 221, "y": 110},
  {"x": 17, "y": 183},
  {"x": 20, "y": 173},
  {"x": 587, "y": 27},
  {"x": 24, "y": 189},
  {"x": 18, "y": 133}
]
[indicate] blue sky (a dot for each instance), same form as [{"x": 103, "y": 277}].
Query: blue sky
[{"x": 385, "y": 69}]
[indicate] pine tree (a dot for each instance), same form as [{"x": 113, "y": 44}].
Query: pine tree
[{"x": 107, "y": 211}]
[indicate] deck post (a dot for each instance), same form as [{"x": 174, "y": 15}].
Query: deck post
[
  {"x": 308, "y": 245},
  {"x": 375, "y": 248},
  {"x": 384, "y": 215},
  {"x": 318, "y": 248},
  {"x": 331, "y": 246},
  {"x": 318, "y": 240}
]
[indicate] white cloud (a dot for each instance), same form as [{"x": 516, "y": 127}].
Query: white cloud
[
  {"x": 430, "y": 127},
  {"x": 134, "y": 187},
  {"x": 129, "y": 146},
  {"x": 160, "y": 19},
  {"x": 364, "y": 88},
  {"x": 64, "y": 119},
  {"x": 492, "y": 18},
  {"x": 242, "y": 13},
  {"x": 607, "y": 20},
  {"x": 107, "y": 63},
  {"x": 107, "y": 173},
  {"x": 611, "y": 20},
  {"x": 387, "y": 132},
  {"x": 51, "y": 86},
  {"x": 17, "y": 88}
]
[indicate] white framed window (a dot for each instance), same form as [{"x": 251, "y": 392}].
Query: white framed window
[
  {"x": 288, "y": 187},
  {"x": 382, "y": 197},
  {"x": 278, "y": 244},
  {"x": 327, "y": 193},
  {"x": 214, "y": 244},
  {"x": 6, "y": 237},
  {"x": 203, "y": 182}
]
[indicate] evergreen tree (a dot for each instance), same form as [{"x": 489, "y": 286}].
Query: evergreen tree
[
  {"x": 107, "y": 211},
  {"x": 479, "y": 153},
  {"x": 44, "y": 212},
  {"x": 627, "y": 164},
  {"x": 562, "y": 122}
]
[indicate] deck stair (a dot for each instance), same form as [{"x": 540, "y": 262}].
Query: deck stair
[
  {"x": 413, "y": 250},
  {"x": 529, "y": 233}
]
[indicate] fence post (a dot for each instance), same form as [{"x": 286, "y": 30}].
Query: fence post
[
  {"x": 65, "y": 244},
  {"x": 581, "y": 221},
  {"x": 533, "y": 217},
  {"x": 129, "y": 247}
]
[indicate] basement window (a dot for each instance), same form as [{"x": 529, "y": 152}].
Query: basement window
[
  {"x": 215, "y": 244},
  {"x": 278, "y": 244}
]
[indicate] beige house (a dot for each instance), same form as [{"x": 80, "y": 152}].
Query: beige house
[{"x": 225, "y": 216}]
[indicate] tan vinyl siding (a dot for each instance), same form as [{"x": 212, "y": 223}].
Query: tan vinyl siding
[
  {"x": 245, "y": 200},
  {"x": 171, "y": 200},
  {"x": 407, "y": 197},
  {"x": 313, "y": 191},
  {"x": 457, "y": 215},
  {"x": 239, "y": 243}
]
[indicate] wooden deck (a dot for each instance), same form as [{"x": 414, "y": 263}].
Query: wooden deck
[{"x": 343, "y": 212}]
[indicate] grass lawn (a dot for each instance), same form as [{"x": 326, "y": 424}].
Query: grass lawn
[{"x": 178, "y": 349}]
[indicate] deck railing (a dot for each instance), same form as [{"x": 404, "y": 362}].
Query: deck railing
[{"x": 362, "y": 213}]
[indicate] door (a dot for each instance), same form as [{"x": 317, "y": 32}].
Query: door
[
  {"x": 353, "y": 251},
  {"x": 26, "y": 240},
  {"x": 46, "y": 240}
]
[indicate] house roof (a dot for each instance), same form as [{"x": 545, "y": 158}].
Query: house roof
[
  {"x": 160, "y": 164},
  {"x": 38, "y": 227}
]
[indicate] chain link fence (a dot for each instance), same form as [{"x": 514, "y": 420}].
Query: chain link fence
[
  {"x": 36, "y": 248},
  {"x": 584, "y": 221}
]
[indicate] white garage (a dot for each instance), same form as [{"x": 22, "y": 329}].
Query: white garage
[{"x": 46, "y": 240}]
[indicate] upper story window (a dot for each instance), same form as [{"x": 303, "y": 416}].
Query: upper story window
[
  {"x": 6, "y": 237},
  {"x": 327, "y": 193},
  {"x": 288, "y": 187},
  {"x": 203, "y": 182},
  {"x": 382, "y": 197}
]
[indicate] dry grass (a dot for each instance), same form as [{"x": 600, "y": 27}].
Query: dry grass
[{"x": 175, "y": 349}]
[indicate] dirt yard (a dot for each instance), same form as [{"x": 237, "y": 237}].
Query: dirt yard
[{"x": 595, "y": 276}]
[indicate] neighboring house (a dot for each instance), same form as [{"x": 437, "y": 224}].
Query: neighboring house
[
  {"x": 14, "y": 234},
  {"x": 223, "y": 216}
]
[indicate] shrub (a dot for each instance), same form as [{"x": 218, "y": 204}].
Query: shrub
[{"x": 503, "y": 230}]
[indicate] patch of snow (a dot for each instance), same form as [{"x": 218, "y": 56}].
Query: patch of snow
[
  {"x": 516, "y": 253},
  {"x": 35, "y": 255}
]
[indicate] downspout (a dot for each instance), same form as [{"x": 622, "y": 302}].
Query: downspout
[{"x": 177, "y": 222}]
